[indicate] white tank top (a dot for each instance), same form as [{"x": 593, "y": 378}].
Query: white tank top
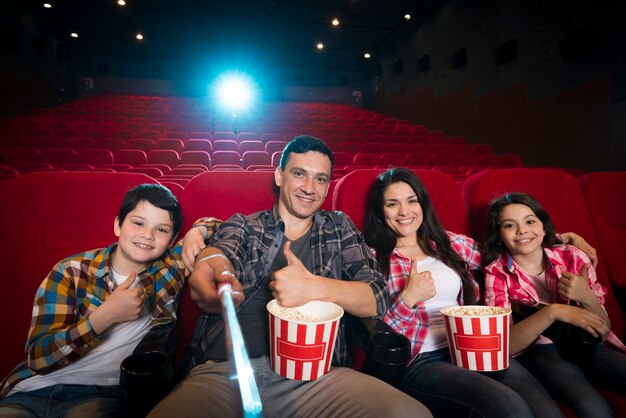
[{"x": 448, "y": 287}]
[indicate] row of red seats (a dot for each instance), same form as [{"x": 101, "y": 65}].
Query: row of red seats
[
  {"x": 47, "y": 216},
  {"x": 26, "y": 160}
]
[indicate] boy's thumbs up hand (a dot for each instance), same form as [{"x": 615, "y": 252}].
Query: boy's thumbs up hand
[{"x": 123, "y": 304}]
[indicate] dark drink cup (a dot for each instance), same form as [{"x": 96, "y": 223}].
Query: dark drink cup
[
  {"x": 146, "y": 378},
  {"x": 388, "y": 356}
]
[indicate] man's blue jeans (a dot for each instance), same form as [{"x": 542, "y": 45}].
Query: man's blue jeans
[{"x": 65, "y": 401}]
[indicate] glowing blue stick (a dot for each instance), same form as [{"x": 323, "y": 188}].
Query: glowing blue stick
[{"x": 250, "y": 398}]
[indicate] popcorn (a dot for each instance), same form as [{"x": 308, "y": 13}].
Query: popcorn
[
  {"x": 291, "y": 314},
  {"x": 475, "y": 311}
]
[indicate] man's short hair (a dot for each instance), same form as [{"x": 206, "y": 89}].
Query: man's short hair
[
  {"x": 157, "y": 195},
  {"x": 302, "y": 144}
]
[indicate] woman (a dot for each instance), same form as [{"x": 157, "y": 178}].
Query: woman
[{"x": 427, "y": 269}]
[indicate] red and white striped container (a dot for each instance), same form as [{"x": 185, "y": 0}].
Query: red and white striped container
[
  {"x": 302, "y": 349},
  {"x": 478, "y": 336}
]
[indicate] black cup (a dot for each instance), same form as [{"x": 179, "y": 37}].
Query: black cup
[
  {"x": 387, "y": 356},
  {"x": 146, "y": 378},
  {"x": 576, "y": 345}
]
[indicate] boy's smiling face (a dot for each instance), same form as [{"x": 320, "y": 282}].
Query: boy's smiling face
[{"x": 144, "y": 236}]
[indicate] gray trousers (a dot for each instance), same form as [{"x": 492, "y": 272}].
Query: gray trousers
[{"x": 208, "y": 392}]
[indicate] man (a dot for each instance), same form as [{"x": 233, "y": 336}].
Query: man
[{"x": 296, "y": 254}]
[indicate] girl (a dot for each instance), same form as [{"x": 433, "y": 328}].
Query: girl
[
  {"x": 427, "y": 269},
  {"x": 527, "y": 265}
]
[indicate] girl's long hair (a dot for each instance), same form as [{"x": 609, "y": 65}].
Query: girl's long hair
[
  {"x": 492, "y": 247},
  {"x": 431, "y": 236}
]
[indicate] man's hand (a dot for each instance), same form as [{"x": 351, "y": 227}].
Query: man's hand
[
  {"x": 206, "y": 276},
  {"x": 193, "y": 243},
  {"x": 419, "y": 287},
  {"x": 293, "y": 285},
  {"x": 122, "y": 305},
  {"x": 579, "y": 242}
]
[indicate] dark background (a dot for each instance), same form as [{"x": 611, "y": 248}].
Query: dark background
[{"x": 545, "y": 79}]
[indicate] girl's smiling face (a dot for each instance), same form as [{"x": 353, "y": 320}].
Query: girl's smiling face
[{"x": 520, "y": 229}]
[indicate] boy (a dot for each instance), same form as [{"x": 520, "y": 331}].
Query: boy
[{"x": 93, "y": 309}]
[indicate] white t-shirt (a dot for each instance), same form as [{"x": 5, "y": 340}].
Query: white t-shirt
[
  {"x": 101, "y": 365},
  {"x": 448, "y": 286}
]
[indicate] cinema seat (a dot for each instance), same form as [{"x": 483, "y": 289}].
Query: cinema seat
[
  {"x": 559, "y": 193},
  {"x": 41, "y": 228},
  {"x": 350, "y": 196},
  {"x": 133, "y": 157},
  {"x": 604, "y": 195},
  {"x": 219, "y": 194}
]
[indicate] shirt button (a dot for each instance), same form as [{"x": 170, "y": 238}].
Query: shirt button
[{"x": 514, "y": 296}]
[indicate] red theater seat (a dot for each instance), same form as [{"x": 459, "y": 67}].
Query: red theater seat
[
  {"x": 79, "y": 143},
  {"x": 59, "y": 156},
  {"x": 145, "y": 145},
  {"x": 392, "y": 159},
  {"x": 350, "y": 196},
  {"x": 112, "y": 143},
  {"x": 148, "y": 171},
  {"x": 172, "y": 144},
  {"x": 273, "y": 146},
  {"x": 22, "y": 155},
  {"x": 41, "y": 227},
  {"x": 249, "y": 158},
  {"x": 95, "y": 156},
  {"x": 225, "y": 145},
  {"x": 559, "y": 193},
  {"x": 225, "y": 158},
  {"x": 43, "y": 142},
  {"x": 224, "y": 136},
  {"x": 604, "y": 195},
  {"x": 198, "y": 145},
  {"x": 196, "y": 157},
  {"x": 162, "y": 156},
  {"x": 212, "y": 194},
  {"x": 176, "y": 189},
  {"x": 133, "y": 157},
  {"x": 366, "y": 159},
  {"x": 245, "y": 146}
]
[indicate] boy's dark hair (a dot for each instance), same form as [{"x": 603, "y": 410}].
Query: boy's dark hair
[
  {"x": 431, "y": 235},
  {"x": 305, "y": 143},
  {"x": 157, "y": 195},
  {"x": 492, "y": 246}
]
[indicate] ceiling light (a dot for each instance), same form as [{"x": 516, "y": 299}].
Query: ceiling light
[
  {"x": 407, "y": 17},
  {"x": 74, "y": 35},
  {"x": 335, "y": 22},
  {"x": 320, "y": 45},
  {"x": 367, "y": 55},
  {"x": 121, "y": 2},
  {"x": 139, "y": 36},
  {"x": 47, "y": 5}
]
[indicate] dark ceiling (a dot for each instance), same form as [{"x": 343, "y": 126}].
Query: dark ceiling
[{"x": 279, "y": 32}]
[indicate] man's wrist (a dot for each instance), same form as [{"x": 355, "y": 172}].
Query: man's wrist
[
  {"x": 208, "y": 257},
  {"x": 205, "y": 234}
]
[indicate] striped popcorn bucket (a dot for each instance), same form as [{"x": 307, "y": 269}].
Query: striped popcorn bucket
[
  {"x": 478, "y": 337},
  {"x": 302, "y": 339}
]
